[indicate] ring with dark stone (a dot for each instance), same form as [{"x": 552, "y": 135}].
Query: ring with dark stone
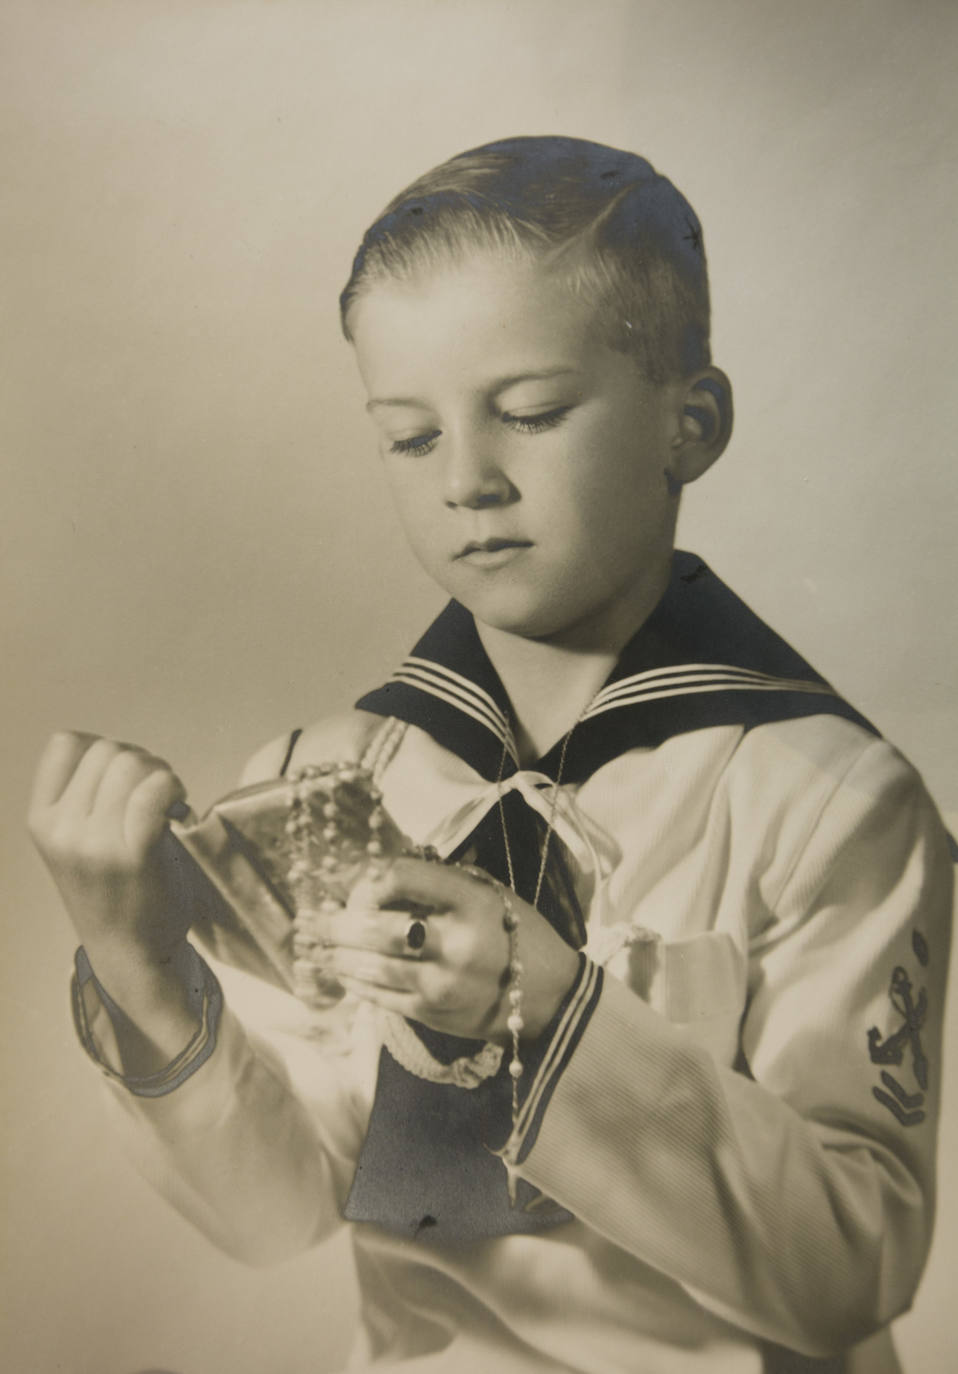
[{"x": 415, "y": 936}]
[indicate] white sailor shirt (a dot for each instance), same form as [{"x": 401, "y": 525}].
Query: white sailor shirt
[{"x": 729, "y": 1135}]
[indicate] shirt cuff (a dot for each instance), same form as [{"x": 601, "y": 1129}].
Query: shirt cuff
[
  {"x": 555, "y": 1049},
  {"x": 89, "y": 998}
]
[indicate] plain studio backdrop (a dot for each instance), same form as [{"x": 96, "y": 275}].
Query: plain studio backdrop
[{"x": 198, "y": 548}]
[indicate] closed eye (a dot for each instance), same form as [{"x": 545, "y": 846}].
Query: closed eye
[
  {"x": 418, "y": 444},
  {"x": 535, "y": 424},
  {"x": 421, "y": 444}
]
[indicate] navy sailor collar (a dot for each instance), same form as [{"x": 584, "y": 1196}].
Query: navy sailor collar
[{"x": 701, "y": 659}]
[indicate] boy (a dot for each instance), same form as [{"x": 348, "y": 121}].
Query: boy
[{"x": 663, "y": 1096}]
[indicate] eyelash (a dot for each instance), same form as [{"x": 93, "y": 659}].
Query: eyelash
[
  {"x": 418, "y": 444},
  {"x": 535, "y": 424},
  {"x": 421, "y": 444}
]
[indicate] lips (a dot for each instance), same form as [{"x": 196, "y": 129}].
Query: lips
[
  {"x": 492, "y": 553},
  {"x": 492, "y": 546}
]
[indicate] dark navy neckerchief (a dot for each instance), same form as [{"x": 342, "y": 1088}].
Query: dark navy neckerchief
[{"x": 701, "y": 659}]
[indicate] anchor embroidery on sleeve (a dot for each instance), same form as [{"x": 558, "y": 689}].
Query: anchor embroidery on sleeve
[
  {"x": 902, "y": 1100},
  {"x": 891, "y": 1049}
]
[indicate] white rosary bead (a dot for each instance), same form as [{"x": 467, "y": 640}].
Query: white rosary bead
[{"x": 515, "y": 1023}]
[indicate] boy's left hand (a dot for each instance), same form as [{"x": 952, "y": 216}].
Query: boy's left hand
[{"x": 458, "y": 981}]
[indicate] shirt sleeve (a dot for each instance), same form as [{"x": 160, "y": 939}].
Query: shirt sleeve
[
  {"x": 793, "y": 1194},
  {"x": 257, "y": 1146},
  {"x": 90, "y": 1000}
]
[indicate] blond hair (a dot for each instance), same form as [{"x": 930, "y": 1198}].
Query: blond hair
[{"x": 616, "y": 231}]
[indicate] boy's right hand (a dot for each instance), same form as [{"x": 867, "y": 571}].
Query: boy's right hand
[{"x": 98, "y": 814}]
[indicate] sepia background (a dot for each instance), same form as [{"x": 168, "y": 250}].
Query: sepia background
[{"x": 196, "y": 548}]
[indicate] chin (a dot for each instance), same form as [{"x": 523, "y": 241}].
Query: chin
[
  {"x": 528, "y": 622},
  {"x": 520, "y": 607}
]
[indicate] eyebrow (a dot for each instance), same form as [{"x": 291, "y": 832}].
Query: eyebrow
[{"x": 501, "y": 384}]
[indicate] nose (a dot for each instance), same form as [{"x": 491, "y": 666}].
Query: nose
[{"x": 473, "y": 477}]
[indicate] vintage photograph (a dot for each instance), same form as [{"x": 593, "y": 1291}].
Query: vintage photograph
[{"x": 478, "y": 831}]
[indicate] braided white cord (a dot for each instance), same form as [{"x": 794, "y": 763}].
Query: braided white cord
[{"x": 407, "y": 1049}]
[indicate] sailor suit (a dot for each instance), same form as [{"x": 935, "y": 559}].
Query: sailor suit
[{"x": 726, "y": 1139}]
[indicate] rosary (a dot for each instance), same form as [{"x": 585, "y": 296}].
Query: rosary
[{"x": 336, "y": 830}]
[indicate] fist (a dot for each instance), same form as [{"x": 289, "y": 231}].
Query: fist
[{"x": 98, "y": 814}]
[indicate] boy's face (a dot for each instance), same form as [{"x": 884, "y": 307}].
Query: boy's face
[{"x": 525, "y": 457}]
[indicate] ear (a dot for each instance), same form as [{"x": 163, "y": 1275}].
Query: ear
[{"x": 703, "y": 426}]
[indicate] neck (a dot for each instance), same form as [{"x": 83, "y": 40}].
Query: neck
[
  {"x": 551, "y": 681},
  {"x": 548, "y": 685}
]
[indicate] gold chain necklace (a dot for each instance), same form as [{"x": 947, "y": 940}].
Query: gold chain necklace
[
  {"x": 515, "y": 1022},
  {"x": 552, "y": 813}
]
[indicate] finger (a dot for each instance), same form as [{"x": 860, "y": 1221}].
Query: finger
[
  {"x": 57, "y": 765},
  {"x": 438, "y": 886},
  {"x": 144, "y": 820},
  {"x": 381, "y": 930},
  {"x": 80, "y": 792},
  {"x": 374, "y": 970},
  {"x": 400, "y": 1002},
  {"x": 120, "y": 779}
]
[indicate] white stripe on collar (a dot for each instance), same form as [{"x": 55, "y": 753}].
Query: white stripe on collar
[
  {"x": 459, "y": 692},
  {"x": 654, "y": 685},
  {"x": 705, "y": 677}
]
